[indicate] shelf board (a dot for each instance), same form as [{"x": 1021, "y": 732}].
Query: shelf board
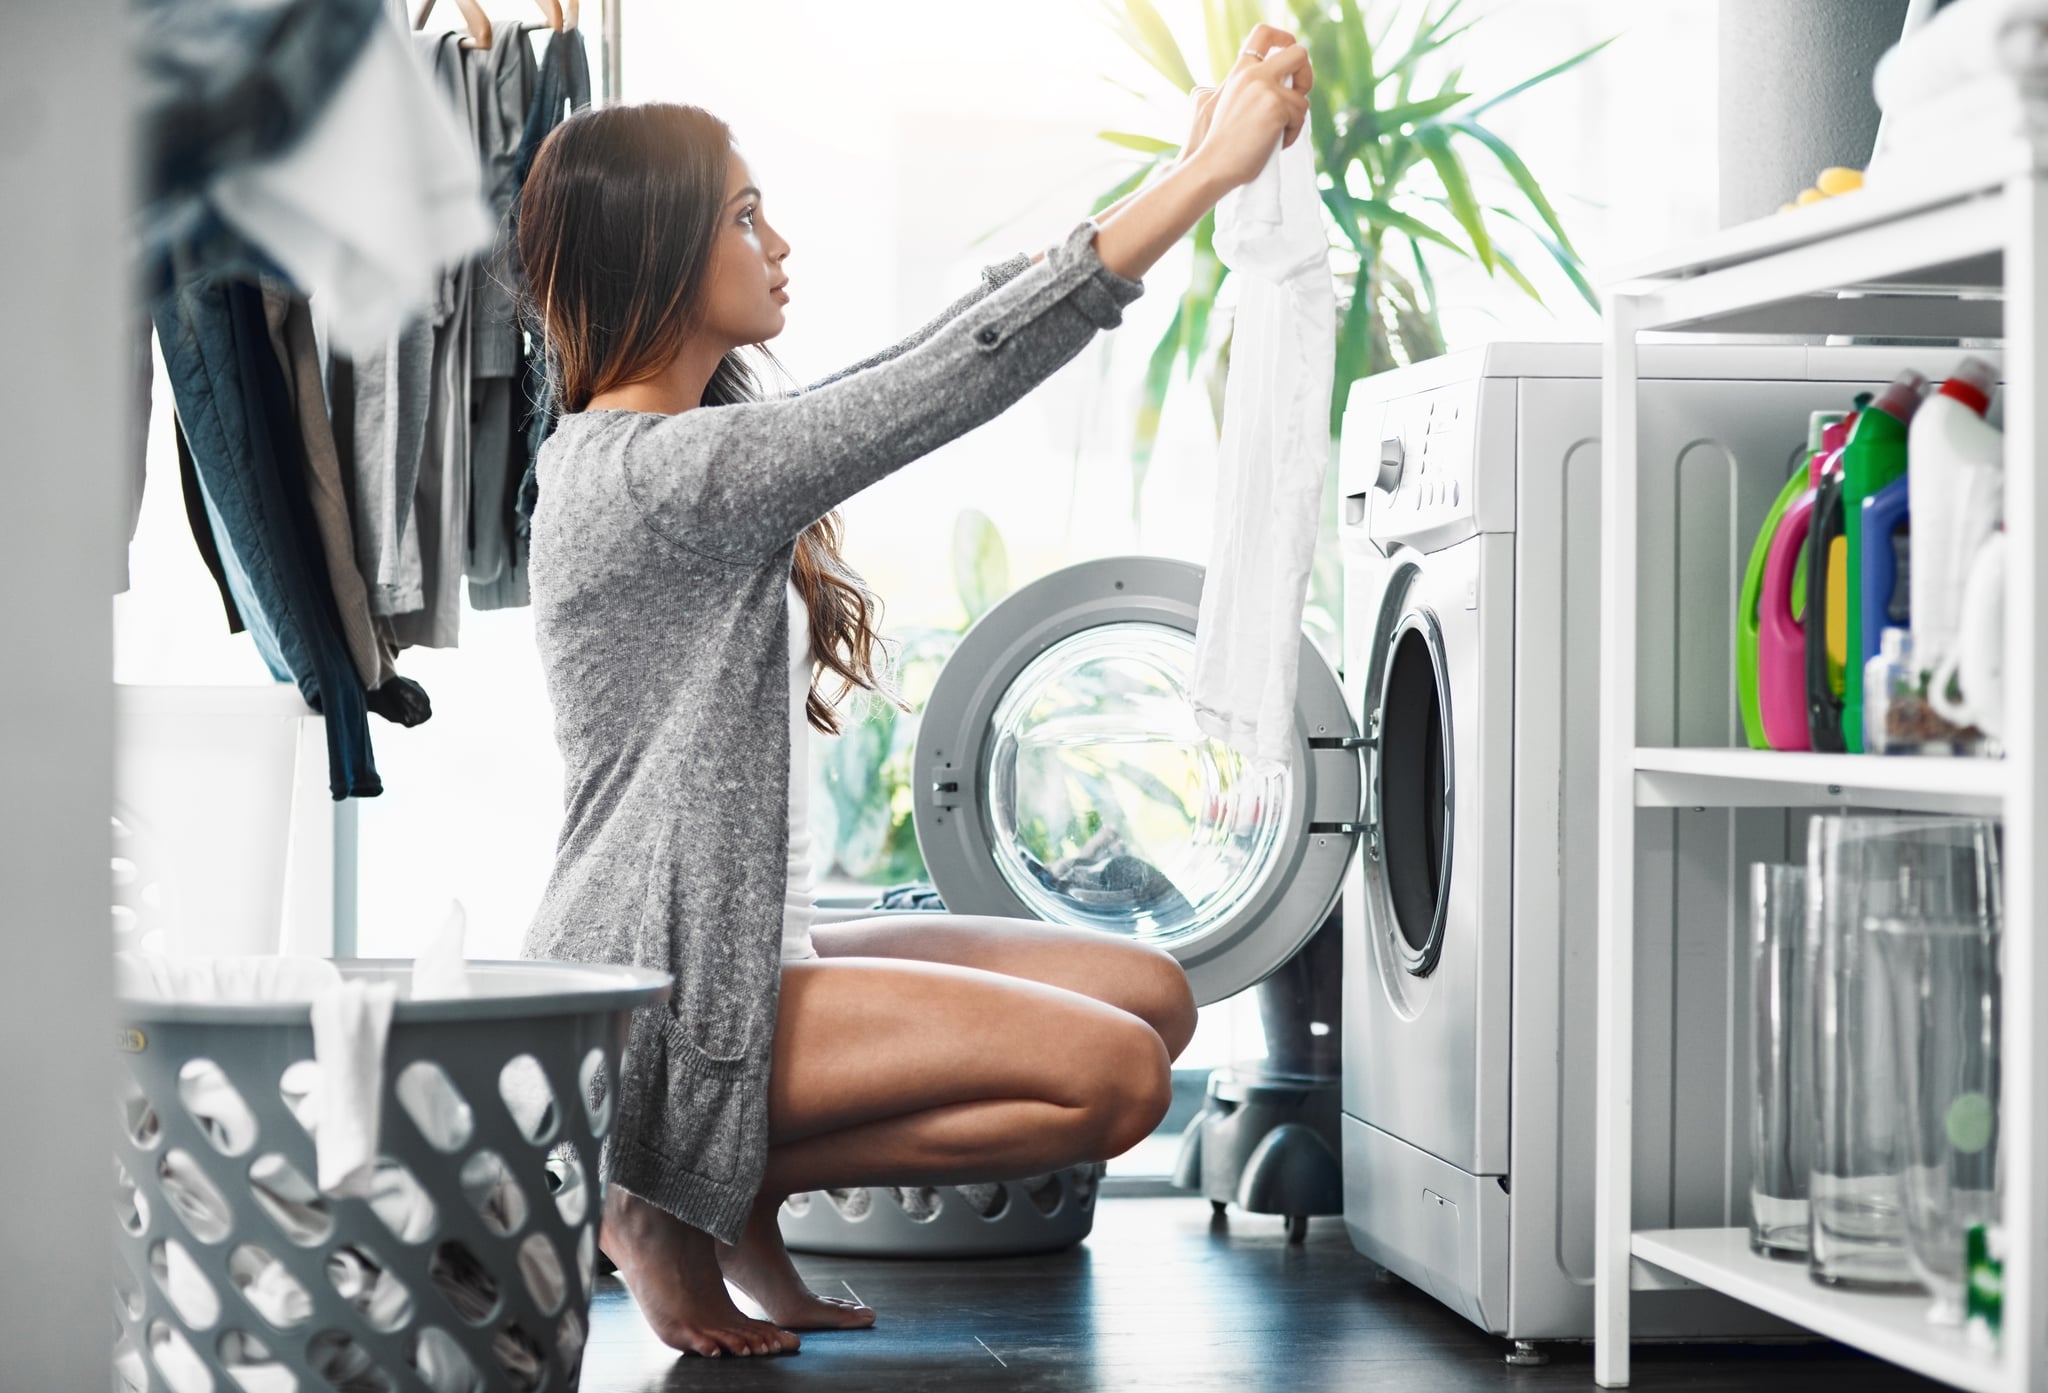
[
  {"x": 1707, "y": 778},
  {"x": 1921, "y": 258},
  {"x": 1956, "y": 181},
  {"x": 1891, "y": 1327}
]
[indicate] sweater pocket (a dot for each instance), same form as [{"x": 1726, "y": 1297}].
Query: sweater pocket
[
  {"x": 710, "y": 1107},
  {"x": 724, "y": 996}
]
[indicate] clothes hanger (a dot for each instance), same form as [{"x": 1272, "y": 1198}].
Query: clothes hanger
[
  {"x": 473, "y": 17},
  {"x": 572, "y": 14},
  {"x": 551, "y": 11}
]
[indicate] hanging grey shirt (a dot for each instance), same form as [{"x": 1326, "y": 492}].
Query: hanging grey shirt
[{"x": 660, "y": 569}]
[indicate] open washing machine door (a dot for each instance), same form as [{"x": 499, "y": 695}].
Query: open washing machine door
[{"x": 1060, "y": 776}]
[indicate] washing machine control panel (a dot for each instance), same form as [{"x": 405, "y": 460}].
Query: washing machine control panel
[{"x": 1409, "y": 467}]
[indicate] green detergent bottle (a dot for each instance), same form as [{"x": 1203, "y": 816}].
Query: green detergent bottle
[
  {"x": 1875, "y": 456},
  {"x": 1747, "y": 619}
]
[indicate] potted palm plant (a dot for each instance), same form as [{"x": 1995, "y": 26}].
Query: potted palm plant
[
  {"x": 1393, "y": 130},
  {"x": 1393, "y": 164}
]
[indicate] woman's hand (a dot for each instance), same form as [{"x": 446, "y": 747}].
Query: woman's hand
[
  {"x": 1262, "y": 104},
  {"x": 1255, "y": 108}
]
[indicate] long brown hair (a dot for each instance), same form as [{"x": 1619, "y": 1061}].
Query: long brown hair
[{"x": 617, "y": 224}]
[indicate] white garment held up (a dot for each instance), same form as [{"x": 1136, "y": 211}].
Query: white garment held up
[{"x": 1273, "y": 457}]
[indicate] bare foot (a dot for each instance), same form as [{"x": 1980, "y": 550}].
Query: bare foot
[
  {"x": 672, "y": 1271},
  {"x": 761, "y": 1268}
]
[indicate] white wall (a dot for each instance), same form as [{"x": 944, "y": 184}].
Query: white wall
[{"x": 63, "y": 399}]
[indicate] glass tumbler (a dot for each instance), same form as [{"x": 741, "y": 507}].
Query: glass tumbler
[
  {"x": 1863, "y": 872},
  {"x": 1781, "y": 1127},
  {"x": 1943, "y": 975}
]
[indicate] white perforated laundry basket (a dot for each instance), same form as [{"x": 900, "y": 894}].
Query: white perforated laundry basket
[
  {"x": 466, "y": 1270},
  {"x": 998, "y": 1219}
]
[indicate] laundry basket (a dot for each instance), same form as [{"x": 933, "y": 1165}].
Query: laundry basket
[
  {"x": 466, "y": 1270},
  {"x": 997, "y": 1219}
]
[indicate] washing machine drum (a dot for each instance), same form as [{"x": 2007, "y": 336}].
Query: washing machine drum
[{"x": 1062, "y": 777}]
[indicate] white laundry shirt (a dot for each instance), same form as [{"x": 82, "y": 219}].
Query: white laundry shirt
[
  {"x": 799, "y": 903},
  {"x": 1271, "y": 462}
]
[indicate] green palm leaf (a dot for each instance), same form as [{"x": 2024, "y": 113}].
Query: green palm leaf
[
  {"x": 1208, "y": 274},
  {"x": 1428, "y": 288},
  {"x": 1344, "y": 209},
  {"x": 1542, "y": 77},
  {"x": 1222, "y": 43},
  {"x": 1412, "y": 113},
  {"x": 1143, "y": 144},
  {"x": 1566, "y": 259},
  {"x": 1386, "y": 215},
  {"x": 1436, "y": 146},
  {"x": 1141, "y": 27},
  {"x": 1430, "y": 35},
  {"x": 1519, "y": 172},
  {"x": 1507, "y": 264},
  {"x": 1356, "y": 46},
  {"x": 1158, "y": 377}
]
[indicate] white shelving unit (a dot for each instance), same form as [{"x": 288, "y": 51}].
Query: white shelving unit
[{"x": 1961, "y": 257}]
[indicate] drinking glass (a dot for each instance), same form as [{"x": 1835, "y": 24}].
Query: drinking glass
[
  {"x": 1781, "y": 1126},
  {"x": 1862, "y": 872},
  {"x": 1944, "y": 980}
]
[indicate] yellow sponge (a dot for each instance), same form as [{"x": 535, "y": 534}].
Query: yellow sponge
[{"x": 1835, "y": 179}]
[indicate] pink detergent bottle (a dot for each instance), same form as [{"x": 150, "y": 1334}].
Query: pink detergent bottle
[{"x": 1781, "y": 637}]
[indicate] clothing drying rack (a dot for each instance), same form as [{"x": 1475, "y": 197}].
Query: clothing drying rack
[{"x": 347, "y": 830}]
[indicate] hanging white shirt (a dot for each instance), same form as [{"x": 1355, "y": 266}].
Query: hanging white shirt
[{"x": 1274, "y": 453}]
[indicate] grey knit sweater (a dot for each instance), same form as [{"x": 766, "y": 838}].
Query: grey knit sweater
[{"x": 660, "y": 560}]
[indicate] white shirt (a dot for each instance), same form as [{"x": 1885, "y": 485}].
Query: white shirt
[
  {"x": 799, "y": 903},
  {"x": 1270, "y": 462}
]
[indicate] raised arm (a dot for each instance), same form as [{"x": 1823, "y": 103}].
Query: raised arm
[{"x": 741, "y": 482}]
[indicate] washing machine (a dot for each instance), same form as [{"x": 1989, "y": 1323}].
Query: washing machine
[{"x": 1469, "y": 520}]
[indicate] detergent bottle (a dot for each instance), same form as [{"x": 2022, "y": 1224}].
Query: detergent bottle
[
  {"x": 1887, "y": 589},
  {"x": 1788, "y": 635},
  {"x": 1873, "y": 458},
  {"x": 1950, "y": 443},
  {"x": 1827, "y": 629}
]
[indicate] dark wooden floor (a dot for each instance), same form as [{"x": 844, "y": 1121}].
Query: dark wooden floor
[{"x": 1158, "y": 1298}]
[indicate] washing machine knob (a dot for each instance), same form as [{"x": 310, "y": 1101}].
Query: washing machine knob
[{"x": 1391, "y": 456}]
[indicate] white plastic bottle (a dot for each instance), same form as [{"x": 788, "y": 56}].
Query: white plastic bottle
[{"x": 1952, "y": 455}]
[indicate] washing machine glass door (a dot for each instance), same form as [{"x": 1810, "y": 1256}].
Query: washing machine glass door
[
  {"x": 1412, "y": 793},
  {"x": 1062, "y": 777},
  {"x": 1406, "y": 687}
]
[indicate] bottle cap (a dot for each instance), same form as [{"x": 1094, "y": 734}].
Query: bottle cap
[
  {"x": 1901, "y": 398},
  {"x": 1972, "y": 384},
  {"x": 1816, "y": 428}
]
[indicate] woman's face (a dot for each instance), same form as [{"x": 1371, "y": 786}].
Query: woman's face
[{"x": 747, "y": 295}]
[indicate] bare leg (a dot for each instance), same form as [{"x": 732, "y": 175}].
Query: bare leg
[
  {"x": 1132, "y": 976},
  {"x": 890, "y": 1071}
]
